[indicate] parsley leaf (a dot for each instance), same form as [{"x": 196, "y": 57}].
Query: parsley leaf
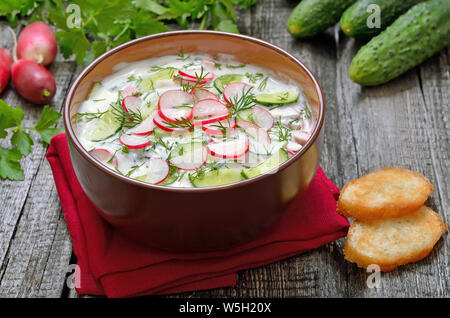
[
  {"x": 9, "y": 164},
  {"x": 22, "y": 141},
  {"x": 48, "y": 118}
]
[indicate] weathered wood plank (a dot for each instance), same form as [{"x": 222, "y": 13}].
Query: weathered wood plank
[
  {"x": 35, "y": 247},
  {"x": 392, "y": 126}
]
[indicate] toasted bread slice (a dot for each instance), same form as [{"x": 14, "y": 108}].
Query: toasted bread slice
[
  {"x": 393, "y": 242},
  {"x": 386, "y": 193}
]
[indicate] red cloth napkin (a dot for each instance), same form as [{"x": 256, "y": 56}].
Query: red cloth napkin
[{"x": 112, "y": 265}]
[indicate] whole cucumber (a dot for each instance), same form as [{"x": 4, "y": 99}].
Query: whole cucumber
[
  {"x": 310, "y": 17},
  {"x": 354, "y": 20},
  {"x": 415, "y": 36}
]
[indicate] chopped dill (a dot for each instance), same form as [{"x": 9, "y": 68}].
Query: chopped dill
[
  {"x": 181, "y": 56},
  {"x": 181, "y": 123},
  {"x": 90, "y": 116},
  {"x": 306, "y": 113},
  {"x": 263, "y": 84},
  {"x": 253, "y": 78},
  {"x": 282, "y": 133},
  {"x": 235, "y": 66}
]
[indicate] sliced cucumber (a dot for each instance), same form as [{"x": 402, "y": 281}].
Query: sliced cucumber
[
  {"x": 172, "y": 177},
  {"x": 95, "y": 88},
  {"x": 189, "y": 156},
  {"x": 108, "y": 125},
  {"x": 245, "y": 115},
  {"x": 216, "y": 177},
  {"x": 271, "y": 163},
  {"x": 280, "y": 98},
  {"x": 224, "y": 80},
  {"x": 148, "y": 84}
]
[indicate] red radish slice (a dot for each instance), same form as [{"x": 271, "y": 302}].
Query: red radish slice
[
  {"x": 169, "y": 105},
  {"x": 209, "y": 65},
  {"x": 129, "y": 91},
  {"x": 260, "y": 135},
  {"x": 37, "y": 43},
  {"x": 160, "y": 123},
  {"x": 158, "y": 170},
  {"x": 262, "y": 117},
  {"x": 104, "y": 156},
  {"x": 131, "y": 103},
  {"x": 207, "y": 78},
  {"x": 208, "y": 111},
  {"x": 201, "y": 94},
  {"x": 301, "y": 136},
  {"x": 133, "y": 141},
  {"x": 145, "y": 127},
  {"x": 192, "y": 157},
  {"x": 214, "y": 128},
  {"x": 234, "y": 91},
  {"x": 229, "y": 149}
]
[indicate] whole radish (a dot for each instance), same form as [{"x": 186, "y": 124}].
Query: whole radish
[
  {"x": 37, "y": 43},
  {"x": 5, "y": 67},
  {"x": 33, "y": 81}
]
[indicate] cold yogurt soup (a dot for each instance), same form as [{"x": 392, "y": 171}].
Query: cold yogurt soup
[{"x": 193, "y": 121}]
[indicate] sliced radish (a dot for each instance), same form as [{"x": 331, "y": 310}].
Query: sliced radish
[
  {"x": 209, "y": 65},
  {"x": 260, "y": 139},
  {"x": 104, "y": 156},
  {"x": 230, "y": 149},
  {"x": 145, "y": 127},
  {"x": 174, "y": 105},
  {"x": 157, "y": 171},
  {"x": 133, "y": 141},
  {"x": 262, "y": 117},
  {"x": 190, "y": 156},
  {"x": 130, "y": 91},
  {"x": 301, "y": 136},
  {"x": 234, "y": 91},
  {"x": 160, "y": 123},
  {"x": 131, "y": 103},
  {"x": 208, "y": 111},
  {"x": 260, "y": 135},
  {"x": 201, "y": 94},
  {"x": 214, "y": 128}
]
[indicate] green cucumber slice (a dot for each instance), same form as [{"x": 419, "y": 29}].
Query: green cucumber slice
[
  {"x": 280, "y": 98},
  {"x": 271, "y": 163},
  {"x": 148, "y": 84},
  {"x": 172, "y": 177},
  {"x": 216, "y": 178},
  {"x": 224, "y": 80},
  {"x": 246, "y": 115},
  {"x": 108, "y": 125},
  {"x": 94, "y": 89}
]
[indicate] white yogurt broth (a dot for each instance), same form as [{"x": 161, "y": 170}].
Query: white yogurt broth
[{"x": 258, "y": 120}]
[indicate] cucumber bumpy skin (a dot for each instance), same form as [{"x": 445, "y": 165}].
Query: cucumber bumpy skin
[
  {"x": 354, "y": 19},
  {"x": 311, "y": 17},
  {"x": 415, "y": 36}
]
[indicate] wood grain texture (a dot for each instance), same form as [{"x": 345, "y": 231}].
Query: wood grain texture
[{"x": 402, "y": 123}]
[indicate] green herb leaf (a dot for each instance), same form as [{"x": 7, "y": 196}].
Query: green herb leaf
[
  {"x": 9, "y": 164},
  {"x": 22, "y": 141},
  {"x": 9, "y": 117},
  {"x": 48, "y": 118}
]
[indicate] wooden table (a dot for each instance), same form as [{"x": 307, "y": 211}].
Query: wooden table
[{"x": 403, "y": 123}]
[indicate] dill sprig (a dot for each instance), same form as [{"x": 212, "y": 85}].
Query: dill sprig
[
  {"x": 180, "y": 123},
  {"x": 181, "y": 56},
  {"x": 263, "y": 84},
  {"x": 306, "y": 113},
  {"x": 129, "y": 119},
  {"x": 90, "y": 116},
  {"x": 199, "y": 81},
  {"x": 253, "y": 78},
  {"x": 242, "y": 102},
  {"x": 282, "y": 133}
]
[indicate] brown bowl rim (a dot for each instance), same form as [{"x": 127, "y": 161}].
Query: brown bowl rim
[{"x": 71, "y": 134}]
